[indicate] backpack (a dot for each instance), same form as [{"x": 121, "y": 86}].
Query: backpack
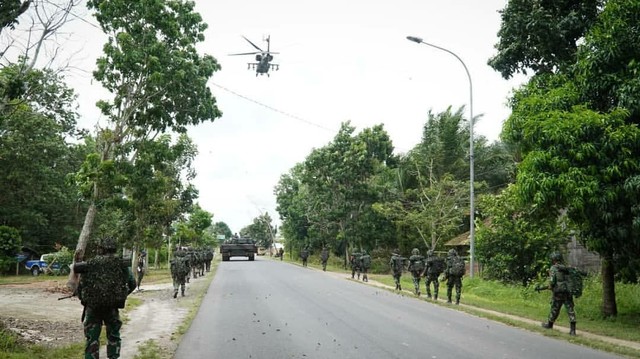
[
  {"x": 398, "y": 263},
  {"x": 435, "y": 265},
  {"x": 366, "y": 261},
  {"x": 570, "y": 279},
  {"x": 104, "y": 285},
  {"x": 457, "y": 267},
  {"x": 416, "y": 263}
]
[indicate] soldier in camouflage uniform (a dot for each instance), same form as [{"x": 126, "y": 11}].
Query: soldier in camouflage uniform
[
  {"x": 179, "y": 271},
  {"x": 453, "y": 279},
  {"x": 365, "y": 265},
  {"x": 416, "y": 267},
  {"x": 208, "y": 259},
  {"x": 304, "y": 254},
  {"x": 140, "y": 268},
  {"x": 324, "y": 257},
  {"x": 105, "y": 282},
  {"x": 397, "y": 266},
  {"x": 433, "y": 269},
  {"x": 561, "y": 294},
  {"x": 354, "y": 261}
]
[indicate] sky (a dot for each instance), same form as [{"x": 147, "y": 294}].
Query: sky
[{"x": 339, "y": 60}]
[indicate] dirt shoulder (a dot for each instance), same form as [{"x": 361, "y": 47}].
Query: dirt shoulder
[{"x": 35, "y": 313}]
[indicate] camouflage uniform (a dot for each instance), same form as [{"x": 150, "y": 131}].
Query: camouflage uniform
[
  {"x": 94, "y": 316},
  {"x": 324, "y": 257},
  {"x": 208, "y": 259},
  {"x": 431, "y": 274},
  {"x": 561, "y": 295},
  {"x": 416, "y": 267},
  {"x": 304, "y": 254},
  {"x": 365, "y": 262},
  {"x": 140, "y": 268},
  {"x": 397, "y": 265},
  {"x": 281, "y": 253},
  {"x": 179, "y": 272},
  {"x": 354, "y": 261},
  {"x": 452, "y": 279}
]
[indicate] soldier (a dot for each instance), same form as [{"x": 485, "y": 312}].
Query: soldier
[
  {"x": 397, "y": 266},
  {"x": 179, "y": 271},
  {"x": 105, "y": 283},
  {"x": 208, "y": 259},
  {"x": 365, "y": 262},
  {"x": 354, "y": 261},
  {"x": 324, "y": 257},
  {"x": 434, "y": 267},
  {"x": 453, "y": 274},
  {"x": 140, "y": 268},
  {"x": 558, "y": 284},
  {"x": 281, "y": 253},
  {"x": 304, "y": 254},
  {"x": 416, "y": 267}
]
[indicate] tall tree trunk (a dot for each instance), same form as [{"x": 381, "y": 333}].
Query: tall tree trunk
[
  {"x": 72, "y": 282},
  {"x": 609, "y": 307}
]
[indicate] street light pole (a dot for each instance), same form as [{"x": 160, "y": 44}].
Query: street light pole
[{"x": 471, "y": 173}]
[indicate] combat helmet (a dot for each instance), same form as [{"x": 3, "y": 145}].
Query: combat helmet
[
  {"x": 415, "y": 251},
  {"x": 430, "y": 252},
  {"x": 452, "y": 252},
  {"x": 556, "y": 257},
  {"x": 364, "y": 252},
  {"x": 107, "y": 245}
]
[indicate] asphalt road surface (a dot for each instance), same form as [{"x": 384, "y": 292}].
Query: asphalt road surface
[{"x": 272, "y": 309}]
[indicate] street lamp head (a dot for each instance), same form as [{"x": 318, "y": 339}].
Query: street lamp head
[{"x": 414, "y": 39}]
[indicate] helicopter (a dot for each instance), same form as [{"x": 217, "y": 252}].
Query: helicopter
[{"x": 263, "y": 58}]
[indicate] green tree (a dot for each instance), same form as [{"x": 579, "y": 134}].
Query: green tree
[
  {"x": 158, "y": 81},
  {"x": 514, "y": 245},
  {"x": 10, "y": 10},
  {"x": 10, "y": 242},
  {"x": 578, "y": 134},
  {"x": 261, "y": 230},
  {"x": 542, "y": 35},
  {"x": 221, "y": 228}
]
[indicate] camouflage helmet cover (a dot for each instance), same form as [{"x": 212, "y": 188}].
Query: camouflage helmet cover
[
  {"x": 452, "y": 252},
  {"x": 556, "y": 257},
  {"x": 107, "y": 244},
  {"x": 415, "y": 251}
]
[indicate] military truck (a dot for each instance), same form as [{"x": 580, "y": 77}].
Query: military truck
[{"x": 238, "y": 247}]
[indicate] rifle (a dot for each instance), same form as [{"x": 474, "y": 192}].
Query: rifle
[
  {"x": 68, "y": 296},
  {"x": 539, "y": 288}
]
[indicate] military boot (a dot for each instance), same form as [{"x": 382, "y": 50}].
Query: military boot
[
  {"x": 435, "y": 297},
  {"x": 449, "y": 300},
  {"x": 182, "y": 293},
  {"x": 175, "y": 293},
  {"x": 572, "y": 331},
  {"x": 548, "y": 325}
]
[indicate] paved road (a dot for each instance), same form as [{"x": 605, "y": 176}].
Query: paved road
[{"x": 271, "y": 309}]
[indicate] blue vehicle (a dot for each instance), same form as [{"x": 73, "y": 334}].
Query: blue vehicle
[{"x": 39, "y": 266}]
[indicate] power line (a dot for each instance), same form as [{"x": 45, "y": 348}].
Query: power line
[{"x": 298, "y": 118}]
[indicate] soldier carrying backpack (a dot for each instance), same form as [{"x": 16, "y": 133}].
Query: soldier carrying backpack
[
  {"x": 453, "y": 274},
  {"x": 365, "y": 262},
  {"x": 397, "y": 266},
  {"x": 565, "y": 283},
  {"x": 105, "y": 283},
  {"x": 433, "y": 268},
  {"x": 416, "y": 267}
]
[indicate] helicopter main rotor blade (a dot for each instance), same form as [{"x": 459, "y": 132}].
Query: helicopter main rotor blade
[
  {"x": 246, "y": 53},
  {"x": 254, "y": 45}
]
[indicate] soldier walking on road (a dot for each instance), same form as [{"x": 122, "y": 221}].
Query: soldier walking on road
[
  {"x": 324, "y": 257},
  {"x": 180, "y": 268},
  {"x": 304, "y": 254},
  {"x": 416, "y": 267},
  {"x": 397, "y": 266},
  {"x": 365, "y": 262},
  {"x": 105, "y": 283},
  {"x": 281, "y": 253},
  {"x": 354, "y": 261},
  {"x": 434, "y": 267},
  {"x": 558, "y": 284},
  {"x": 140, "y": 268},
  {"x": 453, "y": 273}
]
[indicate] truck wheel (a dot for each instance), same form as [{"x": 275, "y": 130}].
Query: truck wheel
[
  {"x": 251, "y": 258},
  {"x": 35, "y": 271}
]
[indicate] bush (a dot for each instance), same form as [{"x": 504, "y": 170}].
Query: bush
[{"x": 10, "y": 242}]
